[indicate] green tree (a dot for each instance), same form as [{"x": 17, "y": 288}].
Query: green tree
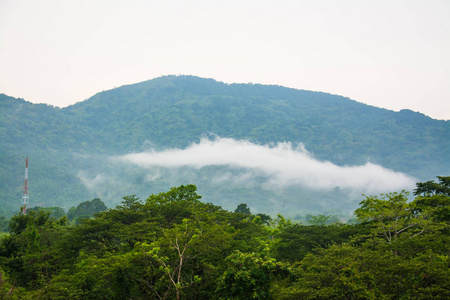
[
  {"x": 86, "y": 209},
  {"x": 249, "y": 276},
  {"x": 433, "y": 199},
  {"x": 7, "y": 289},
  {"x": 432, "y": 188},
  {"x": 173, "y": 206},
  {"x": 265, "y": 219},
  {"x": 175, "y": 264},
  {"x": 392, "y": 217},
  {"x": 55, "y": 212},
  {"x": 3, "y": 224},
  {"x": 30, "y": 254},
  {"x": 319, "y": 220},
  {"x": 242, "y": 209},
  {"x": 294, "y": 242}
]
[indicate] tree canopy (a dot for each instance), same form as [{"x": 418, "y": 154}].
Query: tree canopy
[{"x": 174, "y": 246}]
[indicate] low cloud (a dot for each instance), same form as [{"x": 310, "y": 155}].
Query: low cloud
[
  {"x": 280, "y": 165},
  {"x": 92, "y": 182}
]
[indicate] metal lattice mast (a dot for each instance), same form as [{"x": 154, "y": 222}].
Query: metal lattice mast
[{"x": 25, "y": 197}]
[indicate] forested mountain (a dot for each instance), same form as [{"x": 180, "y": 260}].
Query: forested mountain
[{"x": 70, "y": 148}]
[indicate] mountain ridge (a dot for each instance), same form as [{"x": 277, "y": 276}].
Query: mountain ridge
[{"x": 176, "y": 111}]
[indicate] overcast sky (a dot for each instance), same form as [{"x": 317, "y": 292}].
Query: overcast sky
[{"x": 392, "y": 54}]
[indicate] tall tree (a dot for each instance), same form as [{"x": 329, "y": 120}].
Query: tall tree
[
  {"x": 242, "y": 209},
  {"x": 392, "y": 217}
]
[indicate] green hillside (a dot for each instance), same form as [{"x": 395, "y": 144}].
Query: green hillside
[{"x": 174, "y": 111}]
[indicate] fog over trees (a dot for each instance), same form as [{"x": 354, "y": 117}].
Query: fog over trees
[{"x": 277, "y": 149}]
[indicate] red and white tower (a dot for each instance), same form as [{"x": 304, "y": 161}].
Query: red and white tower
[{"x": 25, "y": 197}]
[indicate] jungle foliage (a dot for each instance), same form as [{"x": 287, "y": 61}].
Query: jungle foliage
[{"x": 174, "y": 246}]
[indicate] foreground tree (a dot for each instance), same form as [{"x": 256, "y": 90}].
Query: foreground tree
[
  {"x": 250, "y": 276},
  {"x": 434, "y": 199},
  {"x": 176, "y": 263},
  {"x": 392, "y": 217}
]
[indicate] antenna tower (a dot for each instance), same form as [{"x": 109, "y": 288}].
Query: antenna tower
[{"x": 25, "y": 197}]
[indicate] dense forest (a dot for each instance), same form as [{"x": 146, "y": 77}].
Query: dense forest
[
  {"x": 173, "y": 245},
  {"x": 71, "y": 150}
]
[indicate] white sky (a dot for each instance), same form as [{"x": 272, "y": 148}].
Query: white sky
[{"x": 389, "y": 54}]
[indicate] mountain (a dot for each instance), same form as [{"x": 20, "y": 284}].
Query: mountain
[{"x": 71, "y": 149}]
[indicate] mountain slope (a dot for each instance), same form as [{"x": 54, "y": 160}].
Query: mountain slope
[{"x": 174, "y": 111}]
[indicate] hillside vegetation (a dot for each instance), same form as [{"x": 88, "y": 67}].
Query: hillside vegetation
[{"x": 64, "y": 144}]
